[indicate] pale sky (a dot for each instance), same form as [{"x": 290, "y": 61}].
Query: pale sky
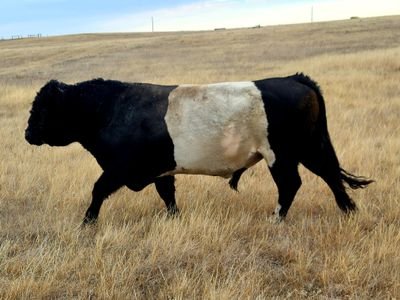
[{"x": 55, "y": 17}]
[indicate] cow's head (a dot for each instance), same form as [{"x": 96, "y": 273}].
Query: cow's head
[{"x": 48, "y": 121}]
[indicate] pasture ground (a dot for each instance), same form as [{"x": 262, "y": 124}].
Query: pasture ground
[{"x": 224, "y": 245}]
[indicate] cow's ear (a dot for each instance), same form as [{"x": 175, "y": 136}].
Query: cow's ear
[
  {"x": 56, "y": 87},
  {"x": 61, "y": 87},
  {"x": 56, "y": 91}
]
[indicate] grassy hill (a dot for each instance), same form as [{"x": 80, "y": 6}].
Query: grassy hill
[
  {"x": 190, "y": 56},
  {"x": 224, "y": 245}
]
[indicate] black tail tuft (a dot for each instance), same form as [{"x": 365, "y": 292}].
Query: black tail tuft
[
  {"x": 233, "y": 182},
  {"x": 354, "y": 182}
]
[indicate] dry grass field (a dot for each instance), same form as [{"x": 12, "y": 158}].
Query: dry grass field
[{"x": 223, "y": 246}]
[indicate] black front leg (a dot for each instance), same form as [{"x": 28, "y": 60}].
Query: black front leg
[
  {"x": 166, "y": 189},
  {"x": 104, "y": 187}
]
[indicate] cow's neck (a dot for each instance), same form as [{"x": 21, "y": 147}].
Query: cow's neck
[{"x": 88, "y": 117}]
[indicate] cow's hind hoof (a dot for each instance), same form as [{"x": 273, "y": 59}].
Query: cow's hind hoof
[
  {"x": 87, "y": 221},
  {"x": 276, "y": 218}
]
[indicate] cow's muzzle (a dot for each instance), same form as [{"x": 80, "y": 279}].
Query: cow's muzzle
[{"x": 32, "y": 138}]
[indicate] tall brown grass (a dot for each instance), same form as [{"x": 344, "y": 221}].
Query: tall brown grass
[{"x": 223, "y": 245}]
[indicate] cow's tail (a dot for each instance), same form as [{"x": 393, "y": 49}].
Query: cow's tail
[
  {"x": 323, "y": 140},
  {"x": 233, "y": 182},
  {"x": 353, "y": 181}
]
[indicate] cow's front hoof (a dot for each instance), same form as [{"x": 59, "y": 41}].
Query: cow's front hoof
[{"x": 173, "y": 212}]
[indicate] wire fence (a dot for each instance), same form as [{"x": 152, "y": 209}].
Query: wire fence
[{"x": 20, "y": 37}]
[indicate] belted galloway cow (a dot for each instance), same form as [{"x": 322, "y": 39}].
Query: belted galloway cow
[{"x": 144, "y": 133}]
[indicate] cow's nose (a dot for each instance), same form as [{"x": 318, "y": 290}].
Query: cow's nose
[
  {"x": 27, "y": 135},
  {"x": 30, "y": 138}
]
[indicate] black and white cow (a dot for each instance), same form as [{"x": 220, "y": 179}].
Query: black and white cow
[{"x": 143, "y": 133}]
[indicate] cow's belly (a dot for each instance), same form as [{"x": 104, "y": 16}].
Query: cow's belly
[
  {"x": 217, "y": 155},
  {"x": 216, "y": 129}
]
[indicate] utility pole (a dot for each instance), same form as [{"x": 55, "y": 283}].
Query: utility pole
[
  {"x": 152, "y": 24},
  {"x": 312, "y": 14}
]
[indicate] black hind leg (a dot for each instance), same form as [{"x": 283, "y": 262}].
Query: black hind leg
[
  {"x": 325, "y": 164},
  {"x": 286, "y": 176}
]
